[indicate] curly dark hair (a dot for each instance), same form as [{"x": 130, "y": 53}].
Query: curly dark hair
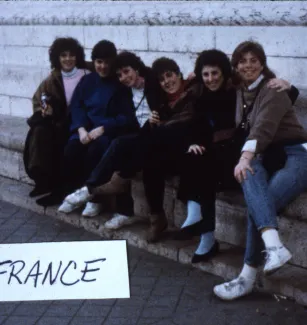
[
  {"x": 214, "y": 58},
  {"x": 162, "y": 65},
  {"x": 129, "y": 59},
  {"x": 62, "y": 44},
  {"x": 258, "y": 51},
  {"x": 104, "y": 50}
]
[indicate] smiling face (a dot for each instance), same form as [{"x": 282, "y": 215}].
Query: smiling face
[
  {"x": 212, "y": 77},
  {"x": 170, "y": 82},
  {"x": 128, "y": 76},
  {"x": 67, "y": 61},
  {"x": 102, "y": 67},
  {"x": 249, "y": 68}
]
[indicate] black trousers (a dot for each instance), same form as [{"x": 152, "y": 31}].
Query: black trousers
[
  {"x": 78, "y": 162},
  {"x": 123, "y": 154},
  {"x": 163, "y": 160},
  {"x": 198, "y": 183},
  {"x": 81, "y": 160},
  {"x": 155, "y": 173},
  {"x": 130, "y": 153}
]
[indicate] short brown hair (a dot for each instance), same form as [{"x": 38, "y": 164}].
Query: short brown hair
[{"x": 256, "y": 49}]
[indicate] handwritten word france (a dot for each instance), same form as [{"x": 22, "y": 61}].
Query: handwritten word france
[{"x": 15, "y": 271}]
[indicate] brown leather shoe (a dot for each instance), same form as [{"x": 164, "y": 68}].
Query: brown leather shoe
[
  {"x": 116, "y": 185},
  {"x": 158, "y": 223}
]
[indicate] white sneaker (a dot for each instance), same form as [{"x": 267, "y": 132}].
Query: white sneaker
[
  {"x": 118, "y": 221},
  {"x": 79, "y": 197},
  {"x": 276, "y": 257},
  {"x": 234, "y": 289},
  {"x": 66, "y": 207},
  {"x": 91, "y": 209}
]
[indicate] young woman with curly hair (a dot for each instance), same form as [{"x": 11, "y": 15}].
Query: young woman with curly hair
[{"x": 49, "y": 124}]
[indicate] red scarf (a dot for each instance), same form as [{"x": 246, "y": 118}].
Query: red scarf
[{"x": 173, "y": 98}]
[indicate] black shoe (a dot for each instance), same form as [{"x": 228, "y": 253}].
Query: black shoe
[
  {"x": 205, "y": 257},
  {"x": 51, "y": 199},
  {"x": 195, "y": 229},
  {"x": 40, "y": 190}
]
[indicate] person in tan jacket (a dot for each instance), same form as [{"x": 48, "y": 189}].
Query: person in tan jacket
[{"x": 273, "y": 134}]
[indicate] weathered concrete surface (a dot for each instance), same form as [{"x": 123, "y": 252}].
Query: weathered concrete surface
[
  {"x": 231, "y": 210},
  {"x": 163, "y": 292},
  {"x": 230, "y": 13},
  {"x": 290, "y": 281}
]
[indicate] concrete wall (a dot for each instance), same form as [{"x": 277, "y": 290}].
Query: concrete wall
[{"x": 175, "y": 29}]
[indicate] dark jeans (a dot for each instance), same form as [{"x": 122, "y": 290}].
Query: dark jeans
[
  {"x": 130, "y": 153},
  {"x": 116, "y": 158},
  {"x": 79, "y": 161},
  {"x": 122, "y": 155}
]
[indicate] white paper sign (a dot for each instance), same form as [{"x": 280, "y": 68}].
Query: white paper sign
[{"x": 64, "y": 270}]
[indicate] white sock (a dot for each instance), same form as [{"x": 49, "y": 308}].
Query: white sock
[
  {"x": 207, "y": 241},
  {"x": 271, "y": 238},
  {"x": 194, "y": 213},
  {"x": 249, "y": 273}
]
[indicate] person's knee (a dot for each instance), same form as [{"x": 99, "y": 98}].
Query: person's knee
[{"x": 101, "y": 143}]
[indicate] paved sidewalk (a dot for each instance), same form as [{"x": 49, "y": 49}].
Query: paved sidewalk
[{"x": 163, "y": 292}]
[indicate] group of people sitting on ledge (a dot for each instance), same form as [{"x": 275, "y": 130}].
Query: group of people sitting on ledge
[{"x": 231, "y": 125}]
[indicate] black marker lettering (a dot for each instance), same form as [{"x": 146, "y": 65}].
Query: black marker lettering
[
  {"x": 65, "y": 283},
  {"x": 35, "y": 275},
  {"x": 86, "y": 270},
  {"x": 2, "y": 263},
  {"x": 49, "y": 271},
  {"x": 12, "y": 274}
]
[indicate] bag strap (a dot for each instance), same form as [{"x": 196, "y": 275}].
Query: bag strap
[
  {"x": 140, "y": 102},
  {"x": 248, "y": 108}
]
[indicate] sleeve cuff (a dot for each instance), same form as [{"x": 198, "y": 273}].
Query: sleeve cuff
[{"x": 250, "y": 146}]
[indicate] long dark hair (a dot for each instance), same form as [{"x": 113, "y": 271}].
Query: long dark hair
[
  {"x": 258, "y": 51},
  {"x": 62, "y": 44}
]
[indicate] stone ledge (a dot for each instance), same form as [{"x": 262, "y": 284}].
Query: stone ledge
[
  {"x": 194, "y": 13},
  {"x": 230, "y": 206},
  {"x": 289, "y": 281},
  {"x": 13, "y": 132}
]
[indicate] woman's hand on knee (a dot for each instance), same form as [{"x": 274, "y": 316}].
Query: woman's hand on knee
[
  {"x": 196, "y": 149},
  {"x": 242, "y": 167},
  {"x": 96, "y": 133},
  {"x": 84, "y": 136}
]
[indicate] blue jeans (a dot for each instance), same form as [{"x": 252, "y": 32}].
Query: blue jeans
[{"x": 266, "y": 197}]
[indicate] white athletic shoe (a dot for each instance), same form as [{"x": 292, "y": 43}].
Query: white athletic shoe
[
  {"x": 118, "y": 221},
  {"x": 276, "y": 257},
  {"x": 66, "y": 207},
  {"x": 91, "y": 209},
  {"x": 234, "y": 289},
  {"x": 79, "y": 197}
]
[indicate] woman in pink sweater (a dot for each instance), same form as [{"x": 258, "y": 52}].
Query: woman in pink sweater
[{"x": 49, "y": 124}]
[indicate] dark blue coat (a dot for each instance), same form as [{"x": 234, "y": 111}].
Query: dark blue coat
[{"x": 101, "y": 102}]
